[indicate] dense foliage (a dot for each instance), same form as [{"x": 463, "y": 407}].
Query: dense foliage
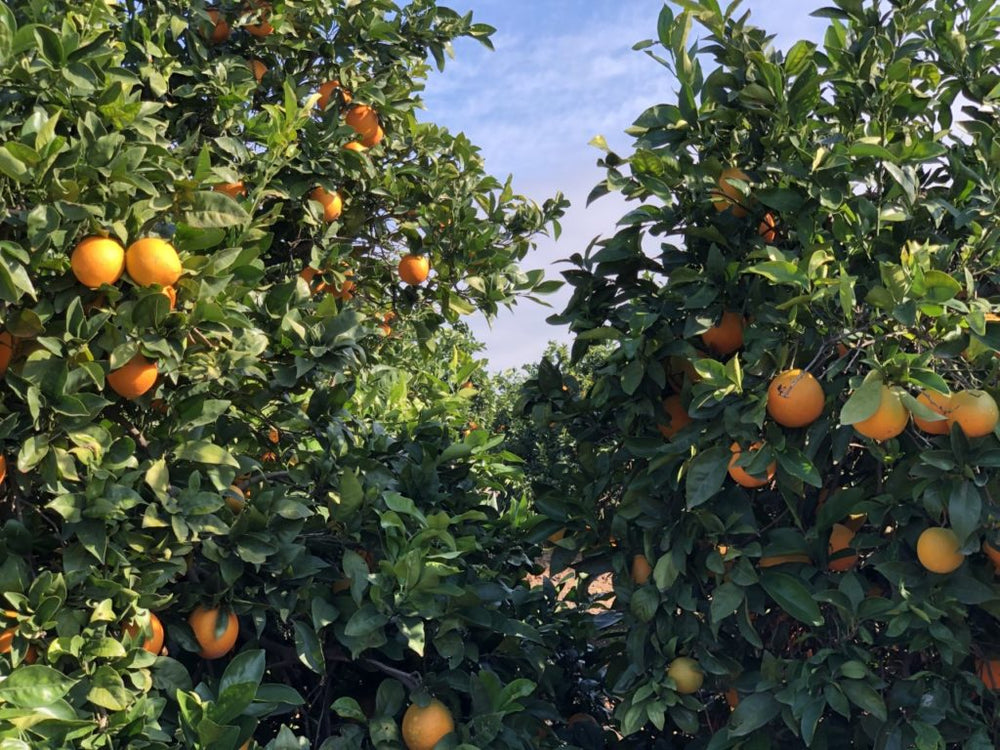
[
  {"x": 830, "y": 207},
  {"x": 362, "y": 545}
]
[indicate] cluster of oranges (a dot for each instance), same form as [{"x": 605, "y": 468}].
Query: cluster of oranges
[
  {"x": 149, "y": 261},
  {"x": 795, "y": 399}
]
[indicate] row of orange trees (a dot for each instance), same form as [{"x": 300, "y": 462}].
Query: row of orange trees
[
  {"x": 237, "y": 508},
  {"x": 810, "y": 260}
]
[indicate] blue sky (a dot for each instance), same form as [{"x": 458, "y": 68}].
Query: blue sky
[{"x": 564, "y": 71}]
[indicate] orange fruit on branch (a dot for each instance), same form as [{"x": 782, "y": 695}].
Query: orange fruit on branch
[
  {"x": 889, "y": 419},
  {"x": 215, "y": 630},
  {"x": 413, "y": 269},
  {"x": 641, "y": 570},
  {"x": 258, "y": 69},
  {"x": 233, "y": 189},
  {"x": 677, "y": 417},
  {"x": 740, "y": 475},
  {"x": 988, "y": 670},
  {"x": 355, "y": 146},
  {"x": 939, "y": 403},
  {"x": 153, "y": 261},
  {"x": 975, "y": 412},
  {"x": 726, "y": 336},
  {"x": 332, "y": 203},
  {"x": 263, "y": 13},
  {"x": 6, "y": 351},
  {"x": 235, "y": 498},
  {"x": 728, "y": 196},
  {"x": 991, "y": 552},
  {"x": 686, "y": 674},
  {"x": 363, "y": 120},
  {"x": 220, "y": 28},
  {"x": 171, "y": 294},
  {"x": 768, "y": 229},
  {"x": 374, "y": 138},
  {"x": 795, "y": 398},
  {"x": 840, "y": 540},
  {"x": 98, "y": 260},
  {"x": 134, "y": 378},
  {"x": 937, "y": 550},
  {"x": 153, "y": 643},
  {"x": 425, "y": 726},
  {"x": 327, "y": 90}
]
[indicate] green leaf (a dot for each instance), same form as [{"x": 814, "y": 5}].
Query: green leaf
[
  {"x": 863, "y": 403},
  {"x": 644, "y": 603},
  {"x": 864, "y": 696},
  {"x": 204, "y": 452},
  {"x": 364, "y": 621},
  {"x": 965, "y": 510},
  {"x": 210, "y": 209},
  {"x": 792, "y": 596},
  {"x": 705, "y": 475},
  {"x": 349, "y": 709},
  {"x": 753, "y": 712},
  {"x": 726, "y": 599},
  {"x": 799, "y": 57},
  {"x": 35, "y": 686}
]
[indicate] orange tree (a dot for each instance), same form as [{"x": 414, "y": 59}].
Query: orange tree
[
  {"x": 810, "y": 261},
  {"x": 214, "y": 223}
]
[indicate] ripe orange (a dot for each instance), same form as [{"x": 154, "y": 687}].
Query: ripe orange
[
  {"x": 259, "y": 69},
  {"x": 262, "y": 28},
  {"x": 888, "y": 421},
  {"x": 235, "y": 499},
  {"x": 6, "y": 351},
  {"x": 768, "y": 229},
  {"x": 307, "y": 274},
  {"x": 795, "y": 398},
  {"x": 134, "y": 378},
  {"x": 991, "y": 552},
  {"x": 641, "y": 570},
  {"x": 345, "y": 291},
  {"x": 364, "y": 121},
  {"x": 840, "y": 539},
  {"x": 727, "y": 195},
  {"x": 220, "y": 28},
  {"x": 97, "y": 260},
  {"x": 355, "y": 146},
  {"x": 332, "y": 203},
  {"x": 152, "y": 643},
  {"x": 938, "y": 403},
  {"x": 424, "y": 727},
  {"x": 732, "y": 697},
  {"x": 3, "y": 468},
  {"x": 937, "y": 550},
  {"x": 773, "y": 560},
  {"x": 413, "y": 269},
  {"x": 726, "y": 336},
  {"x": 677, "y": 417},
  {"x": 989, "y": 672},
  {"x": 153, "y": 261},
  {"x": 233, "y": 189},
  {"x": 374, "y": 138},
  {"x": 974, "y": 411},
  {"x": 274, "y": 435},
  {"x": 326, "y": 91},
  {"x": 386, "y": 320},
  {"x": 215, "y": 631},
  {"x": 556, "y": 536},
  {"x": 740, "y": 475}
]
